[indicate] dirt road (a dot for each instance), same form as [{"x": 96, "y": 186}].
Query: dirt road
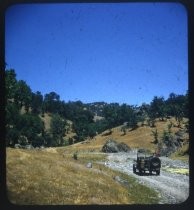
[{"x": 173, "y": 188}]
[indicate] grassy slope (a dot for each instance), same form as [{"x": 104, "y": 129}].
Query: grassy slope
[
  {"x": 139, "y": 138},
  {"x": 51, "y": 176}
]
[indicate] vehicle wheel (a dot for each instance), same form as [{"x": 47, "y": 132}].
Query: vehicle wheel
[
  {"x": 150, "y": 171},
  {"x": 155, "y": 162},
  {"x": 158, "y": 172},
  {"x": 134, "y": 169}
]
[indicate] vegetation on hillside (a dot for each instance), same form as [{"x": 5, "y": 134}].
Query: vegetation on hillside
[
  {"x": 26, "y": 110},
  {"x": 58, "y": 175}
]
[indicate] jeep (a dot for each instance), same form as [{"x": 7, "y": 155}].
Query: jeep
[{"x": 145, "y": 163}]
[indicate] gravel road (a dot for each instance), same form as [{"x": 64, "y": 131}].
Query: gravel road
[{"x": 173, "y": 188}]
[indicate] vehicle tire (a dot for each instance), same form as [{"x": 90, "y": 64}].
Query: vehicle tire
[
  {"x": 150, "y": 171},
  {"x": 155, "y": 162},
  {"x": 134, "y": 169},
  {"x": 158, "y": 172}
]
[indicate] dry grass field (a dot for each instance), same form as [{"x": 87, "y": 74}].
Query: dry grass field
[
  {"x": 51, "y": 176},
  {"x": 138, "y": 138}
]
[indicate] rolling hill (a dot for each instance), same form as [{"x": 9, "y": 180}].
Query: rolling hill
[
  {"x": 51, "y": 176},
  {"x": 139, "y": 138}
]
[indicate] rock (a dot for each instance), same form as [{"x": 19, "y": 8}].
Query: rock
[
  {"x": 181, "y": 135},
  {"x": 111, "y": 146},
  {"x": 123, "y": 147},
  {"x": 169, "y": 148},
  {"x": 89, "y": 165},
  {"x": 17, "y": 146},
  {"x": 107, "y": 133},
  {"x": 121, "y": 181},
  {"x": 174, "y": 143},
  {"x": 117, "y": 178},
  {"x": 28, "y": 146}
]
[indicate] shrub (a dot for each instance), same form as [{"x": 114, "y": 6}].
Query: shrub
[
  {"x": 23, "y": 140},
  {"x": 75, "y": 155},
  {"x": 155, "y": 134},
  {"x": 12, "y": 135}
]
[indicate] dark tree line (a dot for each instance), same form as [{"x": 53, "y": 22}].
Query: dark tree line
[{"x": 27, "y": 127}]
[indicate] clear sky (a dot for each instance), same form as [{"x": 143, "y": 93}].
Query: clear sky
[{"x": 124, "y": 52}]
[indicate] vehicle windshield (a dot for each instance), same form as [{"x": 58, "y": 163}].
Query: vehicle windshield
[{"x": 143, "y": 153}]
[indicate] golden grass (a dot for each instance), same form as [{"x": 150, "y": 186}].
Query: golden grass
[
  {"x": 53, "y": 177},
  {"x": 138, "y": 138}
]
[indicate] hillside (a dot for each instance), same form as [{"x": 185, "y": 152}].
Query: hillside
[
  {"x": 139, "y": 138},
  {"x": 51, "y": 176},
  {"x": 38, "y": 120},
  {"x": 50, "y": 141}
]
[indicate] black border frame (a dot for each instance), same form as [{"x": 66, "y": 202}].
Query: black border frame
[{"x": 4, "y": 202}]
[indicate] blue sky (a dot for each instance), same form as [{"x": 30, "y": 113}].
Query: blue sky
[{"x": 125, "y": 52}]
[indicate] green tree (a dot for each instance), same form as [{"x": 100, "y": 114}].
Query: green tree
[
  {"x": 48, "y": 139},
  {"x": 167, "y": 138},
  {"x": 101, "y": 125},
  {"x": 31, "y": 126},
  {"x": 38, "y": 141},
  {"x": 151, "y": 119},
  {"x": 112, "y": 114},
  {"x": 83, "y": 123},
  {"x": 12, "y": 136},
  {"x": 157, "y": 107},
  {"x": 177, "y": 106},
  {"x": 133, "y": 120},
  {"x": 58, "y": 129},
  {"x": 36, "y": 104},
  {"x": 178, "y": 114},
  {"x": 52, "y": 102},
  {"x": 91, "y": 130},
  {"x": 12, "y": 114},
  {"x": 23, "y": 94},
  {"x": 10, "y": 83},
  {"x": 80, "y": 127},
  {"x": 11, "y": 119},
  {"x": 125, "y": 113}
]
